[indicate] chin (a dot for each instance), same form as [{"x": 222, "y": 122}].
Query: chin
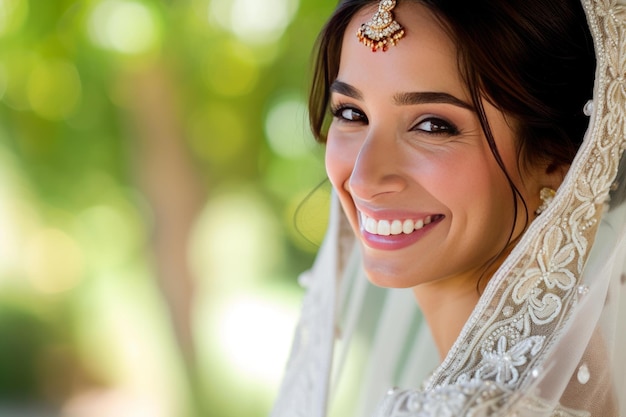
[{"x": 387, "y": 279}]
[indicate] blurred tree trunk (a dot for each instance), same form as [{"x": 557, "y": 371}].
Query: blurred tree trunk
[{"x": 172, "y": 188}]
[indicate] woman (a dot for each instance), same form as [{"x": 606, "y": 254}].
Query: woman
[{"x": 452, "y": 125}]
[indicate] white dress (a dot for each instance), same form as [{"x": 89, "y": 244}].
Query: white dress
[{"x": 548, "y": 336}]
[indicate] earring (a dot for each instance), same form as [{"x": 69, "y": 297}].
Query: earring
[{"x": 546, "y": 195}]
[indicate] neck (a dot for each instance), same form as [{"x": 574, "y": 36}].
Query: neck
[
  {"x": 447, "y": 303},
  {"x": 446, "y": 306}
]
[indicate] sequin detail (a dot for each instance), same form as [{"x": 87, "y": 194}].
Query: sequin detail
[{"x": 583, "y": 374}]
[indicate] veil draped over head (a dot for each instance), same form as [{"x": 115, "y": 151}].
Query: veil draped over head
[{"x": 548, "y": 336}]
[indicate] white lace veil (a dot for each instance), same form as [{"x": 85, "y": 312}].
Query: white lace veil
[{"x": 548, "y": 337}]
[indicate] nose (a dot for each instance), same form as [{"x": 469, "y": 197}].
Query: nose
[{"x": 377, "y": 168}]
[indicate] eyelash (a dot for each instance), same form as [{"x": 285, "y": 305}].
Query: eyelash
[
  {"x": 337, "y": 112},
  {"x": 442, "y": 126}
]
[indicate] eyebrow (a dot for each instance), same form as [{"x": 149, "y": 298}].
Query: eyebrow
[
  {"x": 430, "y": 97},
  {"x": 404, "y": 99},
  {"x": 346, "y": 90}
]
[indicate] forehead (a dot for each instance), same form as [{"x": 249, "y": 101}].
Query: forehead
[{"x": 424, "y": 59}]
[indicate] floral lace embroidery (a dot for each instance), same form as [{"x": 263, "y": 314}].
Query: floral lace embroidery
[
  {"x": 474, "y": 399},
  {"x": 500, "y": 364}
]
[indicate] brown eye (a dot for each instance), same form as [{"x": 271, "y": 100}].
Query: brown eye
[
  {"x": 349, "y": 114},
  {"x": 436, "y": 126}
]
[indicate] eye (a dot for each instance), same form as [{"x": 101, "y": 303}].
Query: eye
[
  {"x": 436, "y": 126},
  {"x": 349, "y": 114}
]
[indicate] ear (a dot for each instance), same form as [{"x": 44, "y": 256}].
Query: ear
[{"x": 554, "y": 175}]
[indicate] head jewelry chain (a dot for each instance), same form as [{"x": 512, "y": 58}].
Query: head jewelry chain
[{"x": 381, "y": 30}]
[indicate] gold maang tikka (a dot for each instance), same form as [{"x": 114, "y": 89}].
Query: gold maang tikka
[{"x": 381, "y": 30}]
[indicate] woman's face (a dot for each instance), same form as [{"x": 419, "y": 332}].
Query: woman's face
[{"x": 410, "y": 162}]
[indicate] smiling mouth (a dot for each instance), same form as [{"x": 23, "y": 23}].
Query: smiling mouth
[{"x": 395, "y": 227}]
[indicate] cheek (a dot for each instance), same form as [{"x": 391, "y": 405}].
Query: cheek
[
  {"x": 464, "y": 176},
  {"x": 340, "y": 159},
  {"x": 472, "y": 187}
]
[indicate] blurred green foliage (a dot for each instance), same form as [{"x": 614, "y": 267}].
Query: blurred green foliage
[{"x": 153, "y": 157}]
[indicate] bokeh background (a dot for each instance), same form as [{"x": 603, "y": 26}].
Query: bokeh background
[{"x": 157, "y": 203}]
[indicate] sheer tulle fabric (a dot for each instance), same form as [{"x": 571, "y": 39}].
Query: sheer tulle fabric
[{"x": 548, "y": 336}]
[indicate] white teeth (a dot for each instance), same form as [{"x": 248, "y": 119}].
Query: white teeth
[
  {"x": 408, "y": 226},
  {"x": 384, "y": 228},
  {"x": 370, "y": 225},
  {"x": 392, "y": 227},
  {"x": 396, "y": 227}
]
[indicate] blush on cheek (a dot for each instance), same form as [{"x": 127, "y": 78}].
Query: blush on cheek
[{"x": 338, "y": 166}]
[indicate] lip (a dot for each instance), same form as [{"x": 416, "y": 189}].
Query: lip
[{"x": 400, "y": 241}]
